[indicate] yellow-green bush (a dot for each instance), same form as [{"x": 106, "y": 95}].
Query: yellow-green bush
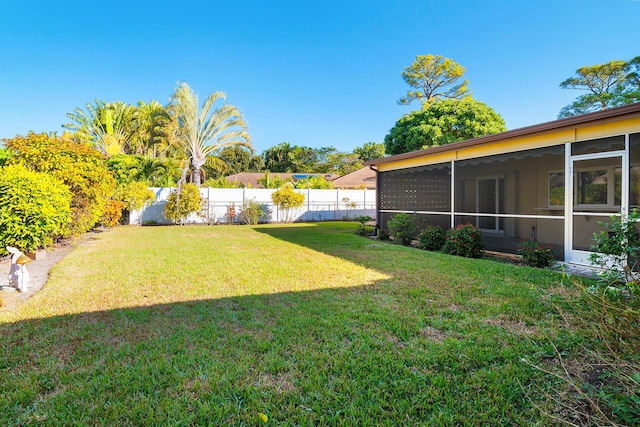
[
  {"x": 34, "y": 208},
  {"x": 135, "y": 195},
  {"x": 82, "y": 168},
  {"x": 178, "y": 209},
  {"x": 287, "y": 199}
]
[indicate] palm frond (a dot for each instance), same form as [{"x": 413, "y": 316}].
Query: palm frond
[{"x": 201, "y": 132}]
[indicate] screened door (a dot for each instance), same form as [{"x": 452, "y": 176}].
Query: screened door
[{"x": 598, "y": 188}]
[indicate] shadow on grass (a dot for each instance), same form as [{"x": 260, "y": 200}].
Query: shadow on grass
[{"x": 325, "y": 357}]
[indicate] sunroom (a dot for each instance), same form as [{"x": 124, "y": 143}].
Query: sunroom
[{"x": 554, "y": 182}]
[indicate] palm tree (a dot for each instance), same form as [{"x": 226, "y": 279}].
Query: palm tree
[
  {"x": 149, "y": 123},
  {"x": 201, "y": 133},
  {"x": 106, "y": 125}
]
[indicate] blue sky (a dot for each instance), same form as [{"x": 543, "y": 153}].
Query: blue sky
[{"x": 314, "y": 73}]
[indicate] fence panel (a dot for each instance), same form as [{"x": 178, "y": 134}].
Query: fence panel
[{"x": 224, "y": 205}]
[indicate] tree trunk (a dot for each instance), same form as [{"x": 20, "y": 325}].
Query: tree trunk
[
  {"x": 196, "y": 171},
  {"x": 195, "y": 174}
]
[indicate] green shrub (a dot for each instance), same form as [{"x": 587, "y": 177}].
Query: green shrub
[
  {"x": 181, "y": 204},
  {"x": 383, "y": 234},
  {"x": 613, "y": 306},
  {"x": 252, "y": 212},
  {"x": 464, "y": 240},
  {"x": 402, "y": 228},
  {"x": 363, "y": 218},
  {"x": 131, "y": 196},
  {"x": 155, "y": 172},
  {"x": 124, "y": 167},
  {"x": 535, "y": 255},
  {"x": 82, "y": 168},
  {"x": 287, "y": 199},
  {"x": 432, "y": 238},
  {"x": 35, "y": 209},
  {"x": 365, "y": 230},
  {"x": 616, "y": 294},
  {"x": 276, "y": 182}
]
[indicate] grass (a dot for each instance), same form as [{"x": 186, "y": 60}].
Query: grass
[{"x": 308, "y": 324}]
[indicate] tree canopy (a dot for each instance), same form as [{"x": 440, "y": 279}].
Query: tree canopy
[
  {"x": 611, "y": 84},
  {"x": 442, "y": 123},
  {"x": 240, "y": 159},
  {"x": 119, "y": 128},
  {"x": 370, "y": 151},
  {"x": 285, "y": 157},
  {"x": 433, "y": 78},
  {"x": 276, "y": 158}
]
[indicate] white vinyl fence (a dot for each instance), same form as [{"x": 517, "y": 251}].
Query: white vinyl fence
[{"x": 319, "y": 205}]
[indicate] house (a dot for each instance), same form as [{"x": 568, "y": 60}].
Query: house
[
  {"x": 554, "y": 181},
  {"x": 250, "y": 179},
  {"x": 361, "y": 179}
]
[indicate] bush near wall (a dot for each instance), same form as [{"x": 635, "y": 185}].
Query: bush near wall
[
  {"x": 35, "y": 209},
  {"x": 252, "y": 212},
  {"x": 134, "y": 195},
  {"x": 82, "y": 168},
  {"x": 179, "y": 208},
  {"x": 432, "y": 238},
  {"x": 535, "y": 255},
  {"x": 402, "y": 228},
  {"x": 465, "y": 240},
  {"x": 286, "y": 199}
]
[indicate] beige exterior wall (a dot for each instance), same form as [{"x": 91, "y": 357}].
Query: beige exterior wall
[{"x": 525, "y": 191}]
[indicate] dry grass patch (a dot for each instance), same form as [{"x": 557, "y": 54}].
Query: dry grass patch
[
  {"x": 514, "y": 326},
  {"x": 433, "y": 334}
]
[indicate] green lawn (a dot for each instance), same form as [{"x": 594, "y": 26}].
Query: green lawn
[{"x": 308, "y": 324}]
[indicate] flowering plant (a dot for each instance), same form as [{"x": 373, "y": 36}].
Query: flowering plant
[
  {"x": 464, "y": 240},
  {"x": 535, "y": 255}
]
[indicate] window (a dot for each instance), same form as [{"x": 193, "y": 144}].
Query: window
[
  {"x": 592, "y": 187},
  {"x": 595, "y": 187},
  {"x": 556, "y": 189}
]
